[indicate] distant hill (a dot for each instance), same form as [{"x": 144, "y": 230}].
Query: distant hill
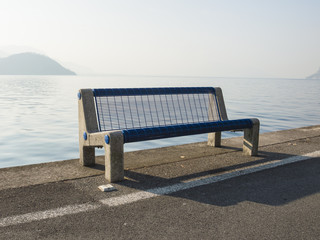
[
  {"x": 315, "y": 76},
  {"x": 31, "y": 64}
]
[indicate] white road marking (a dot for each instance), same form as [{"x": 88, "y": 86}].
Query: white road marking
[
  {"x": 52, "y": 213},
  {"x": 140, "y": 195},
  {"x": 137, "y": 196}
]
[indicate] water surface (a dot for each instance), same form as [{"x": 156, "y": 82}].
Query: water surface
[{"x": 39, "y": 114}]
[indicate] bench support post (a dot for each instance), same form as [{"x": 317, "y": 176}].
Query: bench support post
[
  {"x": 114, "y": 156},
  {"x": 214, "y": 139},
  {"x": 87, "y": 124},
  {"x": 251, "y": 139},
  {"x": 87, "y": 155}
]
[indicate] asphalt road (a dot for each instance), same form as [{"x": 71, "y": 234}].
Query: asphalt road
[{"x": 227, "y": 196}]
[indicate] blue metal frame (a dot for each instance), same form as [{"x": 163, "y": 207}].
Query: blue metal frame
[
  {"x": 118, "y": 93},
  {"x": 157, "y": 132},
  {"x": 143, "y": 134},
  {"x": 150, "y": 91}
]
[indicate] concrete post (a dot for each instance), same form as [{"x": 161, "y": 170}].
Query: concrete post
[
  {"x": 251, "y": 139},
  {"x": 221, "y": 106},
  {"x": 214, "y": 139},
  {"x": 87, "y": 155},
  {"x": 114, "y": 162},
  {"x": 87, "y": 124}
]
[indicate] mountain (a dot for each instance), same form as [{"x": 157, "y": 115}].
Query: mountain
[
  {"x": 31, "y": 64},
  {"x": 315, "y": 76}
]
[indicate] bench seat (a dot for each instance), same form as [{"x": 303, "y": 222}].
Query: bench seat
[{"x": 152, "y": 133}]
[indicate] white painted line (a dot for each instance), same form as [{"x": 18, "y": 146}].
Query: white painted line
[
  {"x": 52, "y": 213},
  {"x": 137, "y": 196}
]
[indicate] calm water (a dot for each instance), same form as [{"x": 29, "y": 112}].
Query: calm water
[{"x": 38, "y": 114}]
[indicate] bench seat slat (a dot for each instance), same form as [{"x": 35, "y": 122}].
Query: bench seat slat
[{"x": 152, "y": 133}]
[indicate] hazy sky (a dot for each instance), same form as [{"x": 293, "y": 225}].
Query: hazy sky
[{"x": 247, "y": 38}]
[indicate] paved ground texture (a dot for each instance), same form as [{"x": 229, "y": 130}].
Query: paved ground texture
[{"x": 184, "y": 192}]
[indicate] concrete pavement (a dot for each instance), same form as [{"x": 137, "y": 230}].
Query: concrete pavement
[{"x": 184, "y": 192}]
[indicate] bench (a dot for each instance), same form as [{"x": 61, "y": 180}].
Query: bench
[{"x": 110, "y": 118}]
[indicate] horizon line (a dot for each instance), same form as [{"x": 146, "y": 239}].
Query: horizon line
[{"x": 184, "y": 76}]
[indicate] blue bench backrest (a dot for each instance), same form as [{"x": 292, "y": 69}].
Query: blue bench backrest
[{"x": 132, "y": 108}]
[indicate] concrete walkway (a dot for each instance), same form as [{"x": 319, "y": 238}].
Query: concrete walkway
[{"x": 184, "y": 192}]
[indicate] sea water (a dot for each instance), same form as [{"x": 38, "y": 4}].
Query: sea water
[{"x": 39, "y": 114}]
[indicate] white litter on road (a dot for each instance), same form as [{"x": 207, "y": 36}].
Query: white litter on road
[{"x": 107, "y": 188}]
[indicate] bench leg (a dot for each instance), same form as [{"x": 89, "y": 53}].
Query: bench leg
[
  {"x": 114, "y": 163},
  {"x": 87, "y": 156},
  {"x": 251, "y": 139},
  {"x": 214, "y": 139}
]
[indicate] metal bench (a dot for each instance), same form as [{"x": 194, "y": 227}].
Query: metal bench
[{"x": 111, "y": 117}]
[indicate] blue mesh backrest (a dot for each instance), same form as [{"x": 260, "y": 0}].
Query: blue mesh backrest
[{"x": 129, "y": 108}]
